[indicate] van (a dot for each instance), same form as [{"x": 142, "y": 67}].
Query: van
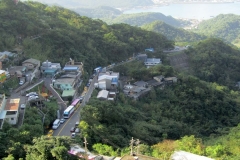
[{"x": 56, "y": 124}]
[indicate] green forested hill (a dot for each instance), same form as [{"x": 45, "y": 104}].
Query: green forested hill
[
  {"x": 57, "y": 34},
  {"x": 214, "y": 61},
  {"x": 176, "y": 34},
  {"x": 139, "y": 19},
  {"x": 223, "y": 26}
]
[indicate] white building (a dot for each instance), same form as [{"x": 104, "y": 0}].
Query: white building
[
  {"x": 108, "y": 80},
  {"x": 9, "y": 110},
  {"x": 103, "y": 94},
  {"x": 182, "y": 155},
  {"x": 152, "y": 62}
]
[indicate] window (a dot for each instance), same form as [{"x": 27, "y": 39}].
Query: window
[{"x": 12, "y": 119}]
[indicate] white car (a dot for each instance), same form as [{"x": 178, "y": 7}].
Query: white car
[
  {"x": 23, "y": 106},
  {"x": 73, "y": 135},
  {"x": 62, "y": 120},
  {"x": 32, "y": 98},
  {"x": 32, "y": 94}
]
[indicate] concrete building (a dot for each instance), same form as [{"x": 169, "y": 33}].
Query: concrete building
[
  {"x": 141, "y": 57},
  {"x": 64, "y": 84},
  {"x": 31, "y": 63},
  {"x": 108, "y": 80},
  {"x": 103, "y": 95},
  {"x": 49, "y": 68},
  {"x": 152, "y": 62},
  {"x": 17, "y": 71},
  {"x": 72, "y": 63},
  {"x": 182, "y": 155},
  {"x": 9, "y": 110}
]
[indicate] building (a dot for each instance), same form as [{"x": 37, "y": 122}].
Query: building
[
  {"x": 108, "y": 80},
  {"x": 9, "y": 110},
  {"x": 49, "y": 69},
  {"x": 3, "y": 102},
  {"x": 103, "y": 95},
  {"x": 170, "y": 80},
  {"x": 72, "y": 63},
  {"x": 18, "y": 71},
  {"x": 182, "y": 155},
  {"x": 152, "y": 62},
  {"x": 141, "y": 57},
  {"x": 64, "y": 83},
  {"x": 140, "y": 84},
  {"x": 4, "y": 55},
  {"x": 71, "y": 69},
  {"x": 159, "y": 78},
  {"x": 31, "y": 63},
  {"x": 3, "y": 76}
]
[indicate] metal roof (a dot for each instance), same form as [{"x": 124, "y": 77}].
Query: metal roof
[{"x": 70, "y": 68}]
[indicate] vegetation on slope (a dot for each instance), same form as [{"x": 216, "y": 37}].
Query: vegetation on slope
[
  {"x": 190, "y": 106},
  {"x": 176, "y": 34},
  {"x": 57, "y": 34},
  {"x": 214, "y": 61},
  {"x": 223, "y": 26}
]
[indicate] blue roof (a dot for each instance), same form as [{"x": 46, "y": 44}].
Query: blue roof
[
  {"x": 114, "y": 80},
  {"x": 70, "y": 68},
  {"x": 50, "y": 70}
]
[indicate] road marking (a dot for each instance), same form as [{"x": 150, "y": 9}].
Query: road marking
[{"x": 67, "y": 121}]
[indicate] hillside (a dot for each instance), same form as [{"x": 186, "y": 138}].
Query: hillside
[
  {"x": 214, "y": 61},
  {"x": 223, "y": 26},
  {"x": 140, "y": 19},
  {"x": 172, "y": 33},
  {"x": 56, "y": 34}
]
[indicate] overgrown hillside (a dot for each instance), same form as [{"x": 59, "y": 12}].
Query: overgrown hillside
[
  {"x": 57, "y": 34},
  {"x": 214, "y": 61},
  {"x": 176, "y": 34},
  {"x": 189, "y": 107},
  {"x": 223, "y": 26}
]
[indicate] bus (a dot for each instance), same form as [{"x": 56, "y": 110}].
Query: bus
[
  {"x": 97, "y": 70},
  {"x": 76, "y": 103},
  {"x": 68, "y": 112}
]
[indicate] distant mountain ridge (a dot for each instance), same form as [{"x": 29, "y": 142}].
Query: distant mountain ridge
[{"x": 224, "y": 26}]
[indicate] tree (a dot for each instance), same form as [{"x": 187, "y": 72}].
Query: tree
[{"x": 190, "y": 144}]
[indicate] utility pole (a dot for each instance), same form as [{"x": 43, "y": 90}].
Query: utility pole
[
  {"x": 137, "y": 143},
  {"x": 131, "y": 146},
  {"x": 85, "y": 144}
]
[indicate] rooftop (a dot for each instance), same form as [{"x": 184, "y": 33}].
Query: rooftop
[
  {"x": 102, "y": 94},
  {"x": 65, "y": 80},
  {"x": 31, "y": 60},
  {"x": 153, "y": 60},
  {"x": 12, "y": 104}
]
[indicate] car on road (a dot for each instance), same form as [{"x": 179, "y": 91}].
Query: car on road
[
  {"x": 62, "y": 120},
  {"x": 23, "y": 106},
  {"x": 32, "y": 98},
  {"x": 88, "y": 84},
  {"x": 72, "y": 129},
  {"x": 32, "y": 94},
  {"x": 73, "y": 135},
  {"x": 50, "y": 133},
  {"x": 81, "y": 98},
  {"x": 77, "y": 130}
]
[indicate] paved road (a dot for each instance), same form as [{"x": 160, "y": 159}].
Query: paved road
[{"x": 64, "y": 129}]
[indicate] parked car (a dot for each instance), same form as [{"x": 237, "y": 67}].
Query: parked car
[
  {"x": 32, "y": 98},
  {"x": 88, "y": 84},
  {"x": 32, "y": 94},
  {"x": 50, "y": 133},
  {"x": 73, "y": 135},
  {"x": 77, "y": 130},
  {"x": 72, "y": 129},
  {"x": 62, "y": 120},
  {"x": 23, "y": 106},
  {"x": 77, "y": 124}
]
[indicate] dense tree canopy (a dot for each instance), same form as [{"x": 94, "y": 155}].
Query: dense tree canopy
[{"x": 224, "y": 26}]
